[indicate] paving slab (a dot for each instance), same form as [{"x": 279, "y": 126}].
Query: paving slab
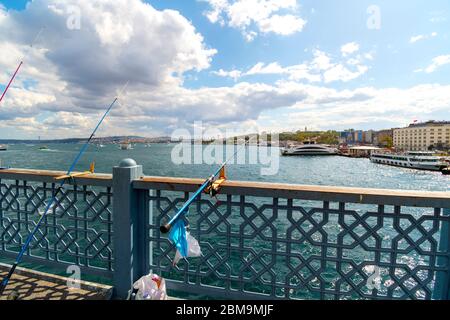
[{"x": 36, "y": 285}]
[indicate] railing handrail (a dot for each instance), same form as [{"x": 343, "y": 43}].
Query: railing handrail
[
  {"x": 306, "y": 192},
  {"x": 95, "y": 179}
]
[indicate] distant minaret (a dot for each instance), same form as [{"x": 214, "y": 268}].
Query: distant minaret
[{"x": 306, "y": 129}]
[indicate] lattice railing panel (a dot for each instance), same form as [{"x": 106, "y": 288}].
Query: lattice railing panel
[
  {"x": 294, "y": 249},
  {"x": 77, "y": 229}
]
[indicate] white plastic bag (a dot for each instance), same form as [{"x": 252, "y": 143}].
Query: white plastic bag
[
  {"x": 151, "y": 287},
  {"x": 193, "y": 249}
]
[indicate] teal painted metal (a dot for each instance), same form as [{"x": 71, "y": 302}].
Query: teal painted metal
[
  {"x": 76, "y": 231},
  {"x": 128, "y": 232},
  {"x": 270, "y": 248},
  {"x": 442, "y": 285}
]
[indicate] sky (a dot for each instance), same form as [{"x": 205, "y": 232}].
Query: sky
[{"x": 236, "y": 65}]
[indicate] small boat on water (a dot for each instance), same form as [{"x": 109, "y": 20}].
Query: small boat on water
[
  {"x": 309, "y": 148},
  {"x": 43, "y": 148},
  {"x": 420, "y": 160},
  {"x": 446, "y": 171},
  {"x": 3, "y": 147},
  {"x": 126, "y": 145}
]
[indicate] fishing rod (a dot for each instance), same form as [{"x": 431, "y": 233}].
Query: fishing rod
[
  {"x": 20, "y": 65},
  {"x": 25, "y": 246},
  {"x": 211, "y": 185}
]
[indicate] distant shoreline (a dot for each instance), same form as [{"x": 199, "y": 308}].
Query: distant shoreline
[{"x": 116, "y": 139}]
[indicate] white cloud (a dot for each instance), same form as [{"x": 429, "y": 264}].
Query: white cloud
[
  {"x": 81, "y": 70},
  {"x": 256, "y": 16},
  {"x": 283, "y": 25},
  {"x": 320, "y": 68},
  {"x": 420, "y": 37},
  {"x": 235, "y": 74},
  {"x": 438, "y": 16},
  {"x": 321, "y": 61},
  {"x": 349, "y": 48},
  {"x": 261, "y": 68},
  {"x": 325, "y": 108},
  {"x": 341, "y": 73},
  {"x": 437, "y": 62},
  {"x": 414, "y": 39}
]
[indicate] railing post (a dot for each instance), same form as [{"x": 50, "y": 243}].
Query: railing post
[
  {"x": 127, "y": 236},
  {"x": 442, "y": 284}
]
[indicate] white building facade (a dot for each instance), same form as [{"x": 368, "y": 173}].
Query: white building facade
[{"x": 421, "y": 136}]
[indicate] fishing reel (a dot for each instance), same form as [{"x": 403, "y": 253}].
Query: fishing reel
[{"x": 216, "y": 184}]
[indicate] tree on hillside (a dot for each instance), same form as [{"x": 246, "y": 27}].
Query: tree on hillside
[
  {"x": 328, "y": 137},
  {"x": 386, "y": 141}
]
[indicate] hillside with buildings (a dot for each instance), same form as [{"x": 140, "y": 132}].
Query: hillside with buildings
[
  {"x": 429, "y": 135},
  {"x": 383, "y": 138}
]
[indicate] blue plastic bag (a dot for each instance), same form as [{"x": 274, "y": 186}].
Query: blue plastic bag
[
  {"x": 178, "y": 236},
  {"x": 187, "y": 245}
]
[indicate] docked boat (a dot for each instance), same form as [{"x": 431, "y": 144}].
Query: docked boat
[
  {"x": 413, "y": 160},
  {"x": 309, "y": 148}
]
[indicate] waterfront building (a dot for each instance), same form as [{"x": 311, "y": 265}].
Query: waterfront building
[
  {"x": 383, "y": 138},
  {"x": 423, "y": 136},
  {"x": 358, "y": 136},
  {"x": 343, "y": 137},
  {"x": 362, "y": 151},
  {"x": 368, "y": 136},
  {"x": 352, "y": 136},
  {"x": 347, "y": 136}
]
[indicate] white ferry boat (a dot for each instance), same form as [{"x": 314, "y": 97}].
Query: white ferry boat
[
  {"x": 414, "y": 160},
  {"x": 126, "y": 145},
  {"x": 309, "y": 148},
  {"x": 3, "y": 147}
]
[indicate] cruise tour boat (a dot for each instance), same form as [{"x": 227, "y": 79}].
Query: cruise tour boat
[
  {"x": 309, "y": 148},
  {"x": 420, "y": 160}
]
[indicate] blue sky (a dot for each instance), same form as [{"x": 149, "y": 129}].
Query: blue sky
[
  {"x": 330, "y": 25},
  {"x": 409, "y": 50}
]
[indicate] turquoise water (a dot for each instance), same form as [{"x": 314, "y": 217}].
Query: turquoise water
[{"x": 156, "y": 160}]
